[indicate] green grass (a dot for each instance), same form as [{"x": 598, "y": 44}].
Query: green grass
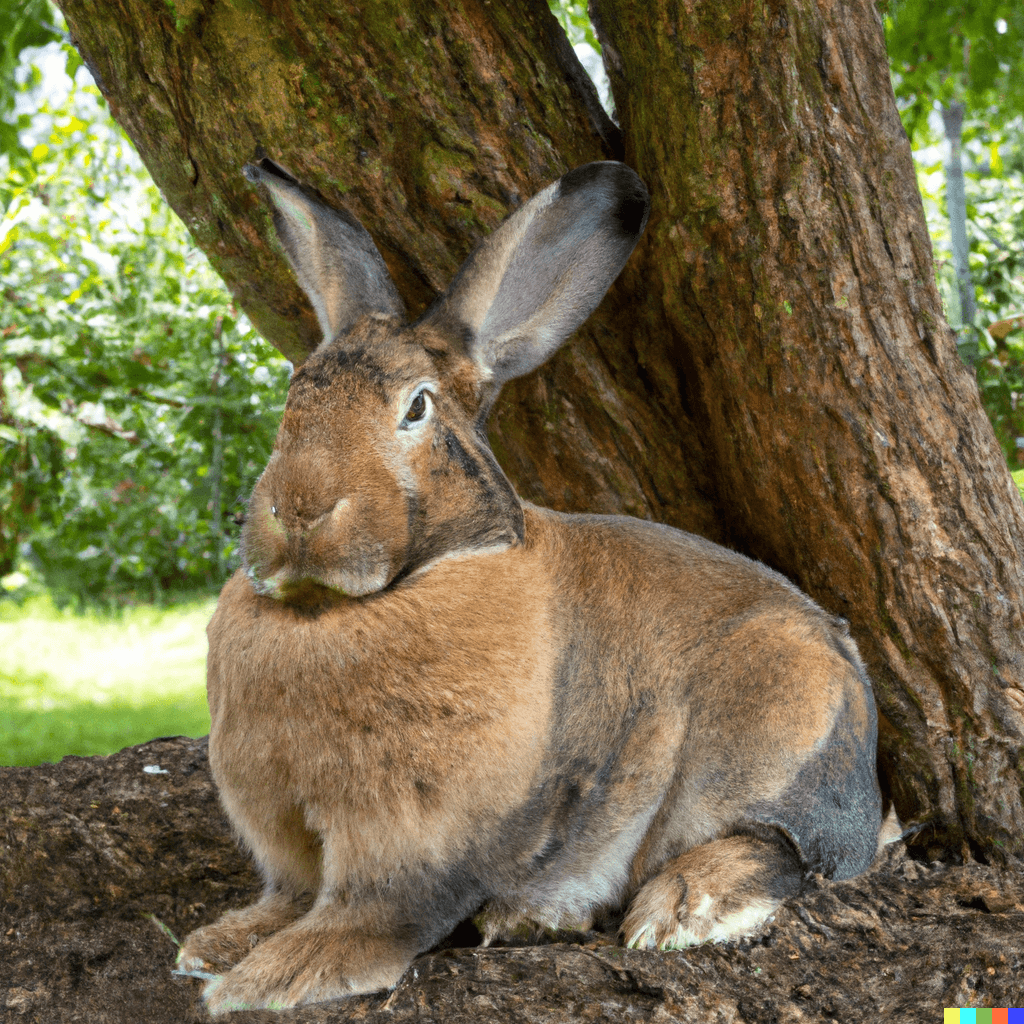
[
  {"x": 1018, "y": 477},
  {"x": 93, "y": 683}
]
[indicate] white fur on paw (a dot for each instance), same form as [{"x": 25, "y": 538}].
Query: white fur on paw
[
  {"x": 195, "y": 969},
  {"x": 219, "y": 1001},
  {"x": 702, "y": 925}
]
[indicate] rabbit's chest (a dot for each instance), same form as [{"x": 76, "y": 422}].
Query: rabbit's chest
[{"x": 400, "y": 709}]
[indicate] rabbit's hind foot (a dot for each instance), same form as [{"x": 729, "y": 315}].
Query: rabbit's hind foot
[
  {"x": 232, "y": 937},
  {"x": 725, "y": 889}
]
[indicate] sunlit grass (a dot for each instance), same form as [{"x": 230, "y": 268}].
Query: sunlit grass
[
  {"x": 91, "y": 683},
  {"x": 1018, "y": 476}
]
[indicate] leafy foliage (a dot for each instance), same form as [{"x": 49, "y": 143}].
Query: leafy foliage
[
  {"x": 995, "y": 212},
  {"x": 138, "y": 407},
  {"x": 23, "y": 23},
  {"x": 574, "y": 17},
  {"x": 972, "y": 53}
]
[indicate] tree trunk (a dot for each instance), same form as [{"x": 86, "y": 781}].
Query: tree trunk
[
  {"x": 956, "y": 209},
  {"x": 11, "y": 463},
  {"x": 772, "y": 370}
]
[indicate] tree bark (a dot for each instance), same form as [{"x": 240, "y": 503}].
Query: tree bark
[
  {"x": 11, "y": 463},
  {"x": 772, "y": 370}
]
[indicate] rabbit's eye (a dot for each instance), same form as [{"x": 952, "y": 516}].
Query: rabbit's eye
[{"x": 417, "y": 408}]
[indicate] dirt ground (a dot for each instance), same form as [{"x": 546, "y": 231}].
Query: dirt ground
[{"x": 103, "y": 859}]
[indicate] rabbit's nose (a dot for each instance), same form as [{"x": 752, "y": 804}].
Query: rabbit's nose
[
  {"x": 299, "y": 516},
  {"x": 333, "y": 517}
]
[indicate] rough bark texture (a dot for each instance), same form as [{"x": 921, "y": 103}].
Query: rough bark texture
[
  {"x": 97, "y": 855},
  {"x": 772, "y": 370},
  {"x": 17, "y": 492}
]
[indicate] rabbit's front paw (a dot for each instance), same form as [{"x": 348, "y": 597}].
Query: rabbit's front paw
[
  {"x": 232, "y": 937},
  {"x": 722, "y": 890},
  {"x": 308, "y": 962}
]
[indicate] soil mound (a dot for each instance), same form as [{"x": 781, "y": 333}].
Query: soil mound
[{"x": 104, "y": 860}]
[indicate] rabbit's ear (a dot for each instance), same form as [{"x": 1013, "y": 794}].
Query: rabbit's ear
[
  {"x": 332, "y": 254},
  {"x": 543, "y": 272}
]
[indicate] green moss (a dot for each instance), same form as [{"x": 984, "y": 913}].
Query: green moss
[
  {"x": 284, "y": 47},
  {"x": 184, "y": 13},
  {"x": 313, "y": 96},
  {"x": 446, "y": 174},
  {"x": 964, "y": 787},
  {"x": 382, "y": 87},
  {"x": 489, "y": 211}
]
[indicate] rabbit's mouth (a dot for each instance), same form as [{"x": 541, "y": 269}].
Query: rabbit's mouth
[
  {"x": 341, "y": 551},
  {"x": 295, "y": 584}
]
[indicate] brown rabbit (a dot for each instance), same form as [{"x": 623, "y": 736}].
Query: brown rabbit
[{"x": 432, "y": 700}]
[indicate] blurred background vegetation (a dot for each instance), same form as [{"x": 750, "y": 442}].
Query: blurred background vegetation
[{"x": 138, "y": 406}]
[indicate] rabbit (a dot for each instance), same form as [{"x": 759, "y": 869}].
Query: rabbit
[{"x": 431, "y": 699}]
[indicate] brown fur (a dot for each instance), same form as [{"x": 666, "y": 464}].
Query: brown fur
[{"x": 430, "y": 700}]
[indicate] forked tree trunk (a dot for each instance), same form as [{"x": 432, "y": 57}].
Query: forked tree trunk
[
  {"x": 847, "y": 441},
  {"x": 772, "y": 370}
]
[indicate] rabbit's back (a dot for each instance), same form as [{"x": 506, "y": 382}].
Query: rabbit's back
[{"x": 758, "y": 698}]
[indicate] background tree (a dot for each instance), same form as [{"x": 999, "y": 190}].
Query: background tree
[
  {"x": 773, "y": 370},
  {"x": 964, "y": 62},
  {"x": 24, "y": 24},
  {"x": 958, "y": 71}
]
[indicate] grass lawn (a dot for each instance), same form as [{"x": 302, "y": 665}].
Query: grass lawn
[
  {"x": 92, "y": 683},
  {"x": 1019, "y": 477}
]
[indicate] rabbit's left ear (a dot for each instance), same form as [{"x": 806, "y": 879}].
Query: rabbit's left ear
[
  {"x": 332, "y": 254},
  {"x": 542, "y": 273}
]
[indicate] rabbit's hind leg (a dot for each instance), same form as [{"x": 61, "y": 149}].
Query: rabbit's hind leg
[
  {"x": 233, "y": 935},
  {"x": 722, "y": 890}
]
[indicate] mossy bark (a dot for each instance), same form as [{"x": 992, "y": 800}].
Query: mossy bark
[{"x": 772, "y": 370}]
